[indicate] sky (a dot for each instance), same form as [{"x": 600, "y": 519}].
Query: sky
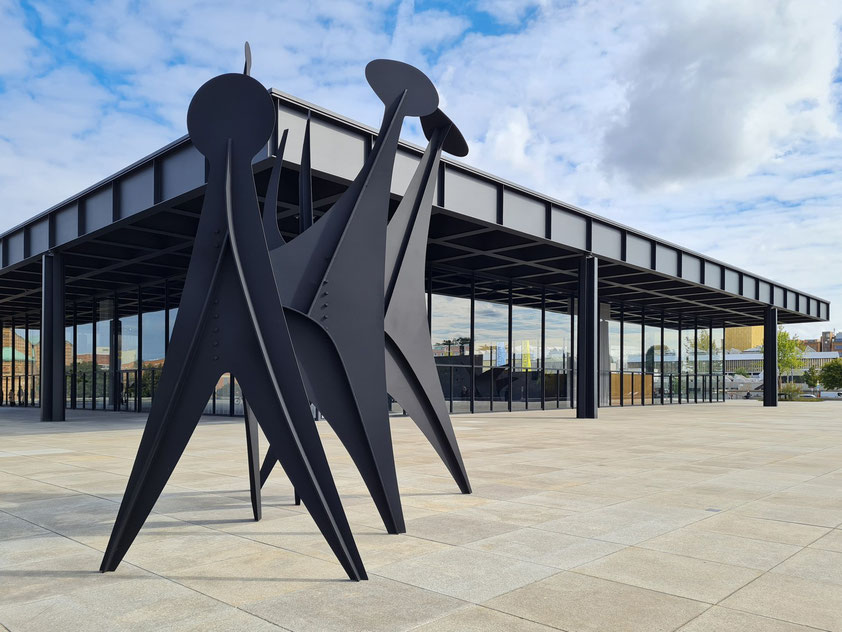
[{"x": 714, "y": 124}]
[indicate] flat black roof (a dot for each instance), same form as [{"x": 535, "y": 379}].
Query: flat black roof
[{"x": 136, "y": 228}]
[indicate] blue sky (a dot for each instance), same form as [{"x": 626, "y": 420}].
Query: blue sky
[{"x": 712, "y": 123}]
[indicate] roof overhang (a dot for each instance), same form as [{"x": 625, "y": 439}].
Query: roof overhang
[{"x": 134, "y": 229}]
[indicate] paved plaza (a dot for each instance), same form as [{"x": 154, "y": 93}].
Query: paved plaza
[{"x": 713, "y": 517}]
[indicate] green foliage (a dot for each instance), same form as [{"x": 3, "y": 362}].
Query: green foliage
[
  {"x": 831, "y": 374},
  {"x": 790, "y": 352},
  {"x": 703, "y": 341},
  {"x": 811, "y": 377},
  {"x": 790, "y": 391},
  {"x": 741, "y": 370}
]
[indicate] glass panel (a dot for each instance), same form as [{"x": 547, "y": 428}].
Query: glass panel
[
  {"x": 671, "y": 368},
  {"x": 84, "y": 365},
  {"x": 173, "y": 316},
  {"x": 652, "y": 359},
  {"x": 451, "y": 340},
  {"x": 704, "y": 350},
  {"x": 482, "y": 381},
  {"x": 526, "y": 352},
  {"x": 5, "y": 366},
  {"x": 632, "y": 341},
  {"x": 102, "y": 353},
  {"x": 153, "y": 353},
  {"x": 34, "y": 359},
  {"x": 128, "y": 359},
  {"x": 21, "y": 359},
  {"x": 238, "y": 400},
  {"x": 613, "y": 355},
  {"x": 68, "y": 364},
  {"x": 492, "y": 342},
  {"x": 688, "y": 357},
  {"x": 559, "y": 355},
  {"x": 718, "y": 341},
  {"x": 222, "y": 395}
]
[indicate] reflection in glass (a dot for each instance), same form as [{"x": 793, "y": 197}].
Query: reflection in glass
[
  {"x": 84, "y": 365},
  {"x": 526, "y": 357},
  {"x": 558, "y": 354},
  {"x": 632, "y": 340},
  {"x": 451, "y": 341},
  {"x": 652, "y": 360},
  {"x": 491, "y": 326},
  {"x": 672, "y": 369},
  {"x": 34, "y": 360}
]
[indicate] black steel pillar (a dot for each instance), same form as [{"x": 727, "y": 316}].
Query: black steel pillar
[
  {"x": 511, "y": 358},
  {"x": 26, "y": 359},
  {"x": 52, "y": 337},
  {"x": 770, "y": 357},
  {"x": 138, "y": 380},
  {"x": 73, "y": 369},
  {"x": 586, "y": 356},
  {"x": 543, "y": 352},
  {"x": 472, "y": 343},
  {"x": 663, "y": 361},
  {"x": 114, "y": 358}
]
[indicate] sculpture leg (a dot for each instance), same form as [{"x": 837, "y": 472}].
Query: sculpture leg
[
  {"x": 330, "y": 389},
  {"x": 302, "y": 457},
  {"x": 268, "y": 465},
  {"x": 180, "y": 401},
  {"x": 253, "y": 460},
  {"x": 426, "y": 407}
]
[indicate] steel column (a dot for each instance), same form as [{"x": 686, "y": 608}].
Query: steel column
[
  {"x": 586, "y": 357},
  {"x": 139, "y": 368},
  {"x": 511, "y": 352},
  {"x": 26, "y": 376},
  {"x": 770, "y": 357},
  {"x": 73, "y": 369},
  {"x": 472, "y": 345},
  {"x": 52, "y": 337},
  {"x": 94, "y": 365},
  {"x": 114, "y": 358},
  {"x": 543, "y": 352}
]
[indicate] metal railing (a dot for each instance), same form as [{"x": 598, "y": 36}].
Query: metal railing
[
  {"x": 624, "y": 388},
  {"x": 20, "y": 390},
  {"x": 466, "y": 388}
]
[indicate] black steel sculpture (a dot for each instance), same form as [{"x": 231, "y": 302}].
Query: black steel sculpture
[
  {"x": 411, "y": 374},
  {"x": 331, "y": 279},
  {"x": 319, "y": 319},
  {"x": 230, "y": 118}
]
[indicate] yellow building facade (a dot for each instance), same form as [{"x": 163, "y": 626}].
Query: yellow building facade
[{"x": 743, "y": 338}]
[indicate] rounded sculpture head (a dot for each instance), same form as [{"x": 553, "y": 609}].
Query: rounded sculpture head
[
  {"x": 233, "y": 106},
  {"x": 389, "y": 78},
  {"x": 454, "y": 142}
]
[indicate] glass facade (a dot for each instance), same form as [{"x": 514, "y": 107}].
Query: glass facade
[{"x": 501, "y": 347}]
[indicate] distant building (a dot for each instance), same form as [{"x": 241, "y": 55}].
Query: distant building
[
  {"x": 829, "y": 341},
  {"x": 743, "y": 338},
  {"x": 752, "y": 361}
]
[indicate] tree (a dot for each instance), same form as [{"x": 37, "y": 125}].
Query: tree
[
  {"x": 741, "y": 370},
  {"x": 831, "y": 374},
  {"x": 811, "y": 377},
  {"x": 790, "y": 353}
]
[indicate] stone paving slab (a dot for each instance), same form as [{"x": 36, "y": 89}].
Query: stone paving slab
[{"x": 724, "y": 517}]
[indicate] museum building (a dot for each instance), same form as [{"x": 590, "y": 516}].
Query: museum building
[{"x": 532, "y": 303}]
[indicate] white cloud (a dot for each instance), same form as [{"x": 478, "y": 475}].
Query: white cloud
[
  {"x": 712, "y": 123},
  {"x": 719, "y": 87}
]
